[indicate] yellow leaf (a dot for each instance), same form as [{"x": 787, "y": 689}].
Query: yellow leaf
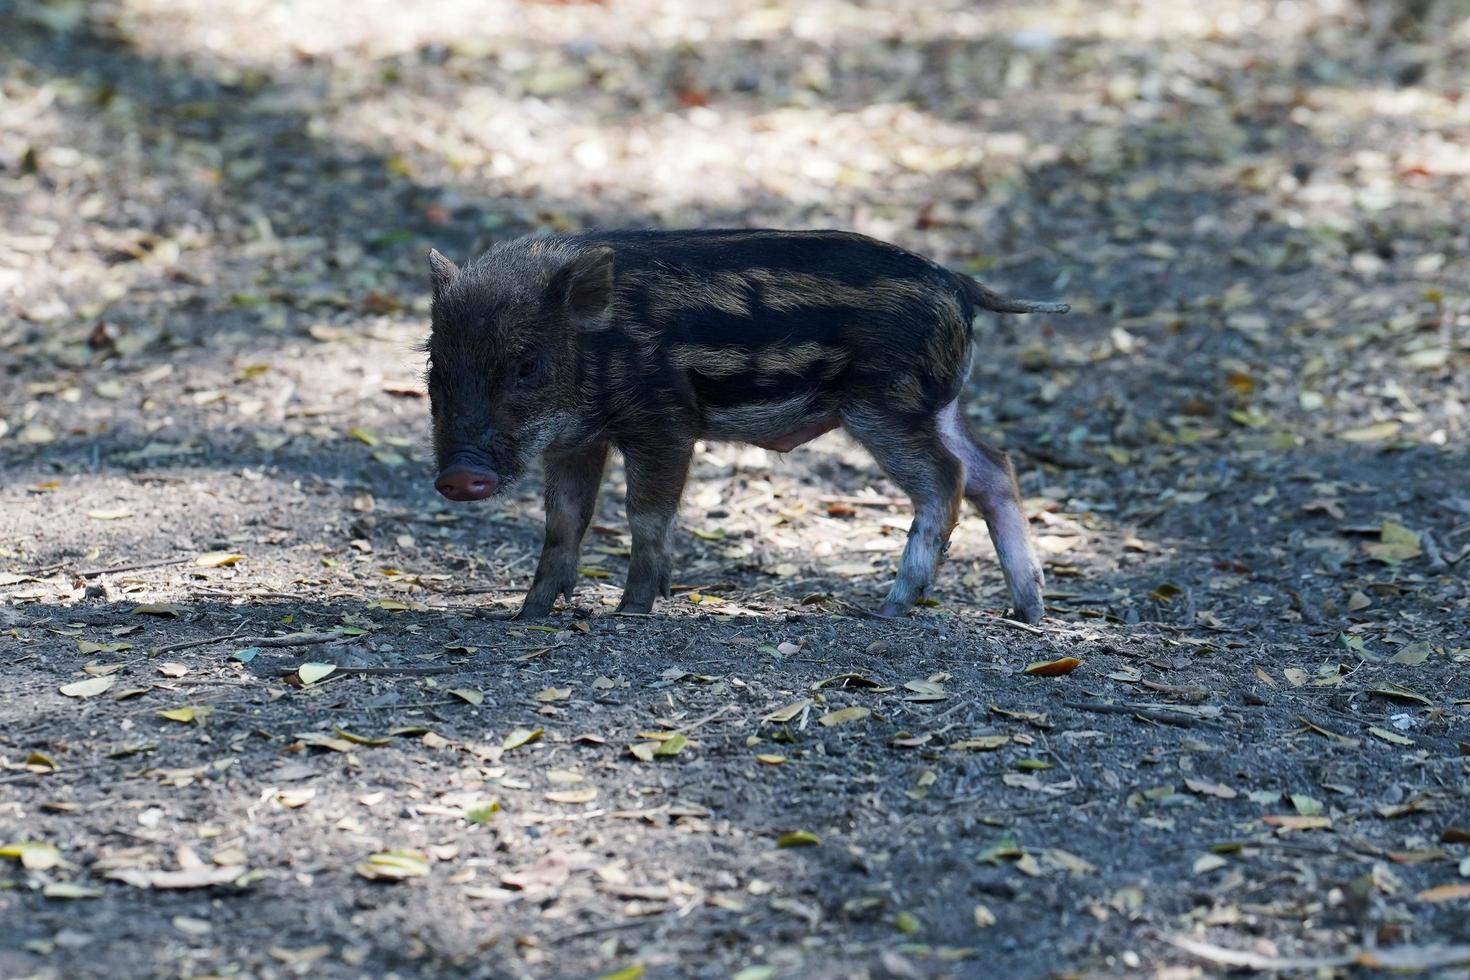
[
  {"x": 109, "y": 514},
  {"x": 783, "y": 715},
  {"x": 181, "y": 715},
  {"x": 87, "y": 646},
  {"x": 363, "y": 436},
  {"x": 1412, "y": 655},
  {"x": 1029, "y": 866},
  {"x": 89, "y": 688},
  {"x": 844, "y": 716},
  {"x": 1371, "y": 433},
  {"x": 356, "y": 739},
  {"x": 520, "y": 737},
  {"x": 672, "y": 745},
  {"x": 1287, "y": 821},
  {"x": 33, "y": 855},
  {"x": 214, "y": 559},
  {"x": 553, "y": 694},
  {"x": 394, "y": 866},
  {"x": 467, "y": 694},
  {"x": 1210, "y": 789},
  {"x": 482, "y": 813},
  {"x": 982, "y": 743},
  {"x": 633, "y": 972},
  {"x": 1392, "y": 737},
  {"x": 798, "y": 838},
  {"x": 310, "y": 673},
  {"x": 771, "y": 760},
  {"x": 1396, "y": 543}
]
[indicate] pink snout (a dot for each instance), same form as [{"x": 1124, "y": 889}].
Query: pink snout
[{"x": 467, "y": 483}]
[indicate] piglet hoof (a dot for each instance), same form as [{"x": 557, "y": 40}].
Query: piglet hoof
[
  {"x": 537, "y": 610},
  {"x": 1031, "y": 614},
  {"x": 637, "y": 606}
]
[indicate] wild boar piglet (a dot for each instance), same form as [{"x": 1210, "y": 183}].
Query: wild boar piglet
[{"x": 561, "y": 346}]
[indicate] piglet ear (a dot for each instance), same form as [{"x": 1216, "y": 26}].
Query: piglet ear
[
  {"x": 585, "y": 284},
  {"x": 444, "y": 271}
]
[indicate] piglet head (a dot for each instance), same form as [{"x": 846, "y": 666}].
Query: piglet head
[{"x": 502, "y": 367}]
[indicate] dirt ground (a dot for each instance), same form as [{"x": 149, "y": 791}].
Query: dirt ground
[{"x": 1243, "y": 453}]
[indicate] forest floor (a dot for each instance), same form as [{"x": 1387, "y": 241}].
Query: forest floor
[{"x": 1243, "y": 453}]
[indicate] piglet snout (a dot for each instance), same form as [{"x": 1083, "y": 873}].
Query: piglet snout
[{"x": 467, "y": 483}]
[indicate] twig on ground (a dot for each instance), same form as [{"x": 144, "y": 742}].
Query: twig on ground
[
  {"x": 1159, "y": 714},
  {"x": 605, "y": 927},
  {"x": 62, "y": 771},
  {"x": 1024, "y": 627},
  {"x": 862, "y": 501},
  {"x": 705, "y": 720},
  {"x": 135, "y": 567},
  {"x": 289, "y": 640},
  {"x": 442, "y": 703},
  {"x": 38, "y": 572},
  {"x": 1392, "y": 958},
  {"x": 858, "y": 612},
  {"x": 406, "y": 669}
]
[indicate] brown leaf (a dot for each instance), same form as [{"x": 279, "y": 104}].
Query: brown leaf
[{"x": 1053, "y": 668}]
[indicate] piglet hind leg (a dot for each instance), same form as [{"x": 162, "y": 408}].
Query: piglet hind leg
[
  {"x": 656, "y": 478},
  {"x": 915, "y": 459},
  {"x": 990, "y": 484},
  {"x": 572, "y": 480}
]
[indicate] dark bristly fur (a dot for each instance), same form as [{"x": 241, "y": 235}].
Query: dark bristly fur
[{"x": 648, "y": 341}]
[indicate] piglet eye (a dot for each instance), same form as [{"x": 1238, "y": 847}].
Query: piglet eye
[{"x": 528, "y": 370}]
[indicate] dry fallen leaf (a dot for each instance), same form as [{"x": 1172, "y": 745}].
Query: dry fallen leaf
[
  {"x": 310, "y": 673},
  {"x": 584, "y": 795},
  {"x": 1053, "y": 668},
  {"x": 33, "y": 855},
  {"x": 89, "y": 688},
  {"x": 844, "y": 716},
  {"x": 981, "y": 743},
  {"x": 1445, "y": 893},
  {"x": 783, "y": 715},
  {"x": 519, "y": 737},
  {"x": 394, "y": 866},
  {"x": 1210, "y": 789}
]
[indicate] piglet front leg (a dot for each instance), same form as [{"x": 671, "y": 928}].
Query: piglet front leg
[
  {"x": 656, "y": 476},
  {"x": 572, "y": 480}
]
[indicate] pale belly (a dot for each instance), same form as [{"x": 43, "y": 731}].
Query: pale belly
[{"x": 779, "y": 426}]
